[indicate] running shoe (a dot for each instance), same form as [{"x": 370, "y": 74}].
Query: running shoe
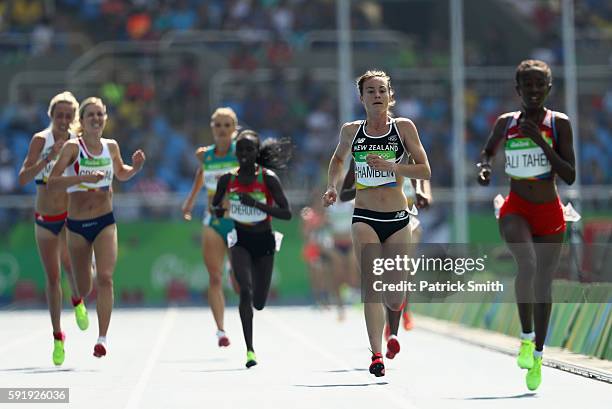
[
  {"x": 99, "y": 350},
  {"x": 377, "y": 367},
  {"x": 534, "y": 374},
  {"x": 408, "y": 323},
  {"x": 525, "y": 355},
  {"x": 251, "y": 359},
  {"x": 393, "y": 347},
  {"x": 80, "y": 313},
  {"x": 222, "y": 339},
  {"x": 58, "y": 350}
]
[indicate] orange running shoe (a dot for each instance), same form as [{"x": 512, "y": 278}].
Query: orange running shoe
[{"x": 408, "y": 323}]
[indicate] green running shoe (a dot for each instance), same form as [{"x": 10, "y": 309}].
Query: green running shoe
[
  {"x": 525, "y": 356},
  {"x": 80, "y": 312},
  {"x": 58, "y": 352},
  {"x": 534, "y": 375},
  {"x": 251, "y": 359}
]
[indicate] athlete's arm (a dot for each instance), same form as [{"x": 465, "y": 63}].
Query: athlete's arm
[
  {"x": 348, "y": 190},
  {"x": 336, "y": 163},
  {"x": 281, "y": 210},
  {"x": 423, "y": 193},
  {"x": 33, "y": 162},
  {"x": 562, "y": 162},
  {"x": 219, "y": 194},
  {"x": 490, "y": 149},
  {"x": 420, "y": 168},
  {"x": 122, "y": 171},
  {"x": 67, "y": 156},
  {"x": 198, "y": 182}
]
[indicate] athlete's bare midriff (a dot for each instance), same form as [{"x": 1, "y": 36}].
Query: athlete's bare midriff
[
  {"x": 382, "y": 199},
  {"x": 50, "y": 202},
  {"x": 89, "y": 205},
  {"x": 536, "y": 191}
]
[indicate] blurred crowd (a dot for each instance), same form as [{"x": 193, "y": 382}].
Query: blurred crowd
[{"x": 166, "y": 112}]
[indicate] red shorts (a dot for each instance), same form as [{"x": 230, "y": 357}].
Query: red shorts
[
  {"x": 311, "y": 252},
  {"x": 543, "y": 218}
]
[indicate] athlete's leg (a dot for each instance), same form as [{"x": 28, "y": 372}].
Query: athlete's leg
[
  {"x": 337, "y": 273},
  {"x": 262, "y": 278},
  {"x": 65, "y": 260},
  {"x": 516, "y": 232},
  {"x": 241, "y": 264},
  {"x": 548, "y": 249},
  {"x": 397, "y": 243},
  {"x": 77, "y": 301},
  {"x": 48, "y": 249},
  {"x": 80, "y": 251},
  {"x": 213, "y": 252},
  {"x": 105, "y": 247},
  {"x": 373, "y": 308},
  {"x": 415, "y": 239}
]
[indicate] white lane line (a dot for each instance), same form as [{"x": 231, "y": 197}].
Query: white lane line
[
  {"x": 165, "y": 328},
  {"x": 389, "y": 394}
]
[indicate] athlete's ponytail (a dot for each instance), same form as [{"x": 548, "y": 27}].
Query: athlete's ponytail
[{"x": 273, "y": 153}]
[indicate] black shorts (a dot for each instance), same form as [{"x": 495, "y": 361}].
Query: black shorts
[
  {"x": 258, "y": 244},
  {"x": 383, "y": 223}
]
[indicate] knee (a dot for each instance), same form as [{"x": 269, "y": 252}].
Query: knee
[
  {"x": 104, "y": 280},
  {"x": 246, "y": 295},
  {"x": 527, "y": 267},
  {"x": 394, "y": 305},
  {"x": 214, "y": 280}
]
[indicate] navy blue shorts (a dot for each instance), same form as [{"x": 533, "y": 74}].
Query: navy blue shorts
[
  {"x": 92, "y": 227},
  {"x": 54, "y": 224}
]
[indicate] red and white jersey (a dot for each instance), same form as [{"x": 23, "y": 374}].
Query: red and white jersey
[
  {"x": 43, "y": 175},
  {"x": 524, "y": 158},
  {"x": 257, "y": 190},
  {"x": 86, "y": 164}
]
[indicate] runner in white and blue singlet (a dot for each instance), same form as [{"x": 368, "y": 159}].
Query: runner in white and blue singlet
[{"x": 85, "y": 169}]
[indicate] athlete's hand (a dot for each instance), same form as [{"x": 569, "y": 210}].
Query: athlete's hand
[
  {"x": 94, "y": 177},
  {"x": 219, "y": 211},
  {"x": 186, "y": 209},
  {"x": 378, "y": 163},
  {"x": 531, "y": 130},
  {"x": 484, "y": 173},
  {"x": 55, "y": 150},
  {"x": 422, "y": 202},
  {"x": 138, "y": 159},
  {"x": 246, "y": 199},
  {"x": 330, "y": 196}
]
